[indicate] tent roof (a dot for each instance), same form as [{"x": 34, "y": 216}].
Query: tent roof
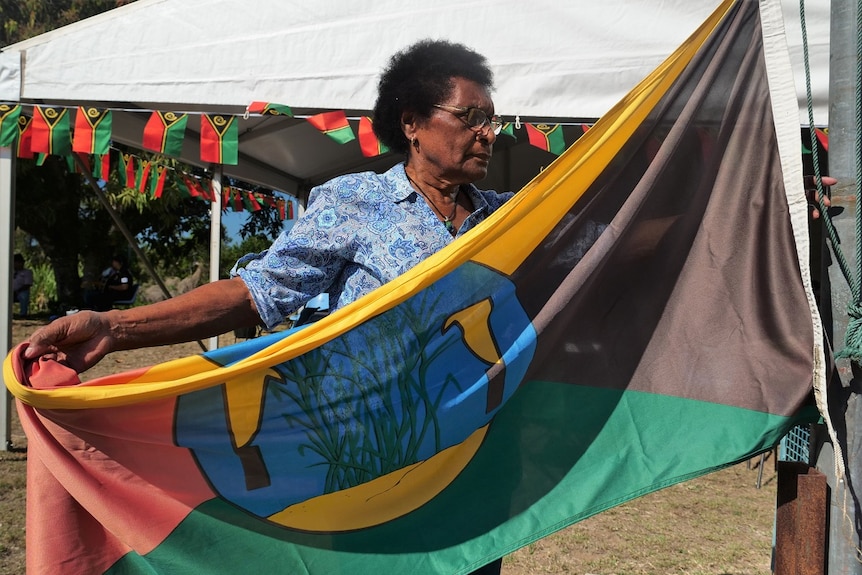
[{"x": 552, "y": 60}]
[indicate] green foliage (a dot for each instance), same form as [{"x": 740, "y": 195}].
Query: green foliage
[
  {"x": 24, "y": 19},
  {"x": 249, "y": 245},
  {"x": 44, "y": 290}
]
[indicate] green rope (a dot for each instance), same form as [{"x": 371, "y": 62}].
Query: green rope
[{"x": 853, "y": 338}]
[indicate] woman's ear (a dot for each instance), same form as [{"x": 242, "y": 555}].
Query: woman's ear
[{"x": 408, "y": 125}]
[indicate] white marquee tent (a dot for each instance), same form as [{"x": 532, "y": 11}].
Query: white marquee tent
[{"x": 560, "y": 62}]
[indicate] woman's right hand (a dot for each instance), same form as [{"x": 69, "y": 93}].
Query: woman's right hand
[{"x": 79, "y": 341}]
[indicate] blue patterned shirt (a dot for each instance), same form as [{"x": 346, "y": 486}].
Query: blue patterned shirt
[{"x": 359, "y": 232}]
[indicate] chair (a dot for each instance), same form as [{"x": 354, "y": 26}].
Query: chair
[{"x": 129, "y": 301}]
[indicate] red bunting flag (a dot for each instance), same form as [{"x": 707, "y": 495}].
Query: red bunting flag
[
  {"x": 142, "y": 175},
  {"x": 368, "y": 142},
  {"x": 127, "y": 170},
  {"x": 237, "y": 201},
  {"x": 547, "y": 137},
  {"x": 334, "y": 124},
  {"x": 25, "y": 136},
  {"x": 165, "y": 132},
  {"x": 254, "y": 203},
  {"x": 157, "y": 183},
  {"x": 51, "y": 131},
  {"x": 9, "y": 115},
  {"x": 219, "y": 139},
  {"x": 92, "y": 131},
  {"x": 269, "y": 108},
  {"x": 823, "y": 138},
  {"x": 101, "y": 166}
]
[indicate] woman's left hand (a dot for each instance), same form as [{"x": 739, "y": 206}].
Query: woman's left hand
[{"x": 811, "y": 193}]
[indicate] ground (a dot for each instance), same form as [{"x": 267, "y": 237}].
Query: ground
[{"x": 719, "y": 524}]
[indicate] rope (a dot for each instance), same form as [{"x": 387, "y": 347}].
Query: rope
[{"x": 853, "y": 337}]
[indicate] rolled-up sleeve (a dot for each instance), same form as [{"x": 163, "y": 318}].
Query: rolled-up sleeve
[{"x": 299, "y": 265}]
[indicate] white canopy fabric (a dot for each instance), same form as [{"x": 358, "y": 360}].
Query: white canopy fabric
[{"x": 553, "y": 61}]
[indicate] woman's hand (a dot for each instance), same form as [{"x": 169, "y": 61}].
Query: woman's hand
[
  {"x": 79, "y": 341},
  {"x": 811, "y": 193}
]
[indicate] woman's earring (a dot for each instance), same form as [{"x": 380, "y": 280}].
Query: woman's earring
[{"x": 414, "y": 142}]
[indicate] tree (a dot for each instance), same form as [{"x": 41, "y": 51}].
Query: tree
[{"x": 59, "y": 210}]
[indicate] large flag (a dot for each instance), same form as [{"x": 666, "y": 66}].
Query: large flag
[{"x": 624, "y": 323}]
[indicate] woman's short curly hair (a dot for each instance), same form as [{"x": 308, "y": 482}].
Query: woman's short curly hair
[{"x": 419, "y": 77}]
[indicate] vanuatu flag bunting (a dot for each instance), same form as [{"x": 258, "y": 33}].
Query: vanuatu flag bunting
[
  {"x": 547, "y": 137},
  {"x": 9, "y": 115},
  {"x": 51, "y": 131},
  {"x": 102, "y": 166},
  {"x": 334, "y": 124},
  {"x": 165, "y": 132},
  {"x": 368, "y": 142},
  {"x": 269, "y": 108},
  {"x": 25, "y": 136},
  {"x": 573, "y": 352},
  {"x": 92, "y": 131},
  {"x": 219, "y": 139}
]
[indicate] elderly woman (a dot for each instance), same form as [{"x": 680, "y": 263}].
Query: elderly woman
[{"x": 359, "y": 231}]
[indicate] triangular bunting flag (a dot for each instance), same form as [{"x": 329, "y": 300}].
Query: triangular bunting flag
[
  {"x": 128, "y": 172},
  {"x": 508, "y": 129},
  {"x": 334, "y": 124},
  {"x": 92, "y": 131},
  {"x": 25, "y": 136},
  {"x": 281, "y": 208},
  {"x": 547, "y": 137},
  {"x": 9, "y": 115},
  {"x": 157, "y": 183},
  {"x": 184, "y": 184},
  {"x": 51, "y": 131},
  {"x": 165, "y": 132},
  {"x": 237, "y": 201},
  {"x": 219, "y": 139},
  {"x": 368, "y": 142},
  {"x": 269, "y": 108},
  {"x": 823, "y": 138},
  {"x": 102, "y": 167},
  {"x": 142, "y": 175}
]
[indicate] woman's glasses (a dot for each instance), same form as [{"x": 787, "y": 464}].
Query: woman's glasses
[{"x": 475, "y": 118}]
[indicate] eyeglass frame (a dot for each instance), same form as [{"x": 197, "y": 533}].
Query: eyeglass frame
[{"x": 463, "y": 112}]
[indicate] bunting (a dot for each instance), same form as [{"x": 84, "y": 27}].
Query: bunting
[
  {"x": 25, "y": 136},
  {"x": 269, "y": 108},
  {"x": 51, "y": 131},
  {"x": 219, "y": 139},
  {"x": 368, "y": 142},
  {"x": 127, "y": 170},
  {"x": 157, "y": 184},
  {"x": 142, "y": 174},
  {"x": 334, "y": 124},
  {"x": 102, "y": 167},
  {"x": 508, "y": 129},
  {"x": 9, "y": 115},
  {"x": 92, "y": 131},
  {"x": 547, "y": 137},
  {"x": 165, "y": 132}
]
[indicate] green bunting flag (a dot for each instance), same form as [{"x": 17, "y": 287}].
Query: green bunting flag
[
  {"x": 8, "y": 124},
  {"x": 264, "y": 108},
  {"x": 157, "y": 183},
  {"x": 508, "y": 130},
  {"x": 219, "y": 139},
  {"x": 25, "y": 136},
  {"x": 368, "y": 142},
  {"x": 143, "y": 175},
  {"x": 334, "y": 124},
  {"x": 102, "y": 167},
  {"x": 165, "y": 132},
  {"x": 92, "y": 131},
  {"x": 51, "y": 131},
  {"x": 547, "y": 137},
  {"x": 127, "y": 170}
]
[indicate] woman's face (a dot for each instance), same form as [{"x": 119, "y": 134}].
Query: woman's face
[{"x": 448, "y": 149}]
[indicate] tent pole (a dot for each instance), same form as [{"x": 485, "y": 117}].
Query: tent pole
[
  {"x": 122, "y": 227},
  {"x": 7, "y": 243},
  {"x": 215, "y": 234}
]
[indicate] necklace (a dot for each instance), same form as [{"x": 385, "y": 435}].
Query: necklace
[{"x": 447, "y": 220}]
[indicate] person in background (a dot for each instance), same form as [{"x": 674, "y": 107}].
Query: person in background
[
  {"x": 116, "y": 284},
  {"x": 22, "y": 281}
]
